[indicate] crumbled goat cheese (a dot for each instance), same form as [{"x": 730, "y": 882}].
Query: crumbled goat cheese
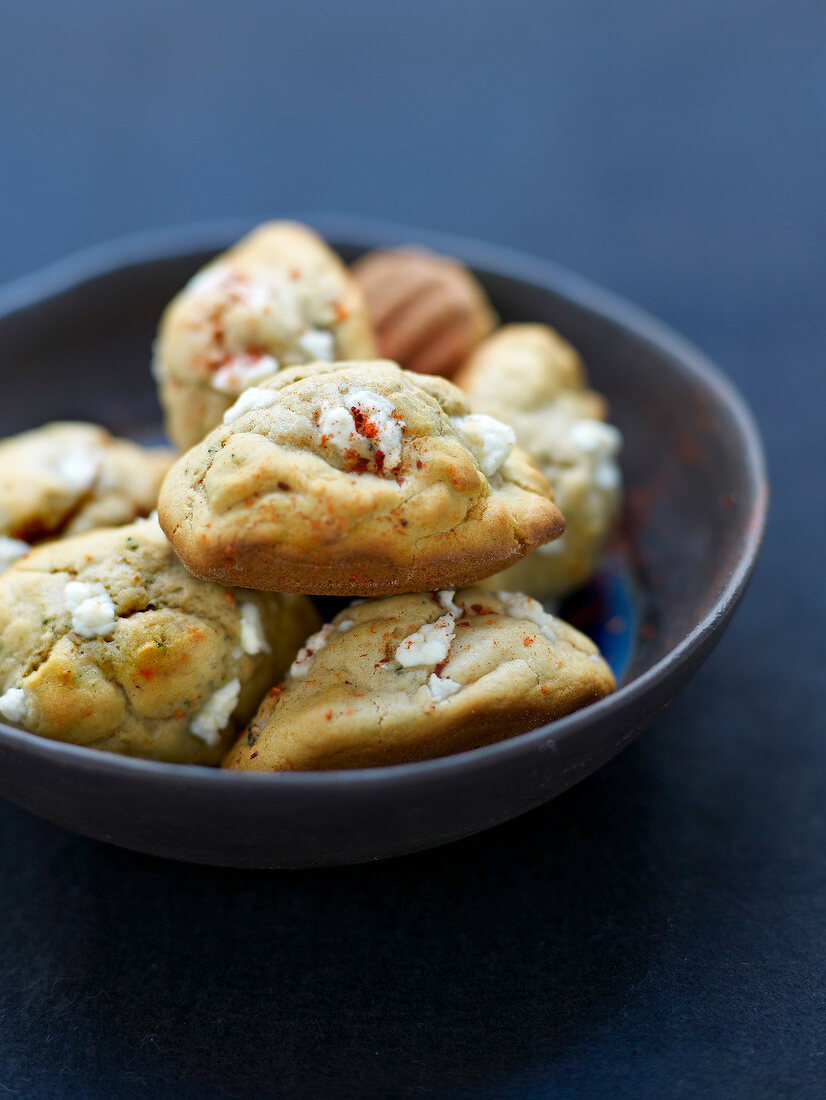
[
  {"x": 242, "y": 371},
  {"x": 257, "y": 296},
  {"x": 93, "y": 613},
  {"x": 595, "y": 436},
  {"x": 445, "y": 598},
  {"x": 253, "y": 639},
  {"x": 315, "y": 643},
  {"x": 216, "y": 713},
  {"x": 14, "y": 705},
  {"x": 318, "y": 344},
  {"x": 519, "y": 606},
  {"x": 11, "y": 550},
  {"x": 78, "y": 468},
  {"x": 599, "y": 445},
  {"x": 488, "y": 440},
  {"x": 151, "y": 518},
  {"x": 379, "y": 430},
  {"x": 345, "y": 624},
  {"x": 430, "y": 644},
  {"x": 337, "y": 426},
  {"x": 442, "y": 687},
  {"x": 253, "y": 398},
  {"x": 553, "y": 548},
  {"x": 210, "y": 278}
]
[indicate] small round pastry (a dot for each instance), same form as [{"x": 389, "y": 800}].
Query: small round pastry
[
  {"x": 107, "y": 641},
  {"x": 356, "y": 479},
  {"x": 279, "y": 296},
  {"x": 419, "y": 676},
  {"x": 535, "y": 382},
  {"x": 428, "y": 311},
  {"x": 65, "y": 478}
]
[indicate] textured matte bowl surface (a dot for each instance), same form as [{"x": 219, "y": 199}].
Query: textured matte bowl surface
[{"x": 75, "y": 342}]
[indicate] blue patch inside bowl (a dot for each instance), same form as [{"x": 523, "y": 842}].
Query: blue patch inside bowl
[{"x": 608, "y": 609}]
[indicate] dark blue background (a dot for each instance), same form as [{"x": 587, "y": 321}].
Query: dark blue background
[{"x": 657, "y": 931}]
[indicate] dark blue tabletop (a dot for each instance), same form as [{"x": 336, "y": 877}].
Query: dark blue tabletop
[{"x": 657, "y": 931}]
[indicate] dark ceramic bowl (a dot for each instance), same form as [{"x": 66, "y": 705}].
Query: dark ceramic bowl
[{"x": 74, "y": 342}]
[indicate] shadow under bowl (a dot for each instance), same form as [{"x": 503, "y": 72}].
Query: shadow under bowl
[{"x": 75, "y": 343}]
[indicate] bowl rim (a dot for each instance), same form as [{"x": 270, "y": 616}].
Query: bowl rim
[{"x": 135, "y": 249}]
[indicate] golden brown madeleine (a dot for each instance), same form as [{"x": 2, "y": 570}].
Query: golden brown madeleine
[
  {"x": 355, "y": 479},
  {"x": 535, "y": 382},
  {"x": 67, "y": 477},
  {"x": 278, "y": 297},
  {"x": 429, "y": 312},
  {"x": 107, "y": 641},
  {"x": 419, "y": 676}
]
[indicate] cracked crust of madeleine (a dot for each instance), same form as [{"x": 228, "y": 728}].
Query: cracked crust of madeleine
[
  {"x": 357, "y": 707},
  {"x": 263, "y": 507},
  {"x": 37, "y": 502},
  {"x": 534, "y": 380},
  {"x": 174, "y": 642},
  {"x": 282, "y": 280}
]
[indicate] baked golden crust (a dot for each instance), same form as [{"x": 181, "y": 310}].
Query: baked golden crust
[
  {"x": 107, "y": 641},
  {"x": 279, "y": 296},
  {"x": 355, "y": 479},
  {"x": 428, "y": 311},
  {"x": 419, "y": 676},
  {"x": 535, "y": 382},
  {"x": 69, "y": 477}
]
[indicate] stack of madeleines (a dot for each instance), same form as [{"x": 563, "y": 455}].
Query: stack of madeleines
[{"x": 322, "y": 451}]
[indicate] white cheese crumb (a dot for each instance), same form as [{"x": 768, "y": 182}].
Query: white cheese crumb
[
  {"x": 253, "y": 638},
  {"x": 151, "y": 518},
  {"x": 488, "y": 440},
  {"x": 14, "y": 705},
  {"x": 93, "y": 613},
  {"x": 595, "y": 437},
  {"x": 445, "y": 598},
  {"x": 242, "y": 371},
  {"x": 345, "y": 624},
  {"x": 78, "y": 468},
  {"x": 253, "y": 398},
  {"x": 442, "y": 687},
  {"x": 216, "y": 713},
  {"x": 11, "y": 550},
  {"x": 257, "y": 296},
  {"x": 338, "y": 425},
  {"x": 318, "y": 344},
  {"x": 210, "y": 278},
  {"x": 599, "y": 445},
  {"x": 519, "y": 606},
  {"x": 430, "y": 644},
  {"x": 315, "y": 643},
  {"x": 553, "y": 548}
]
